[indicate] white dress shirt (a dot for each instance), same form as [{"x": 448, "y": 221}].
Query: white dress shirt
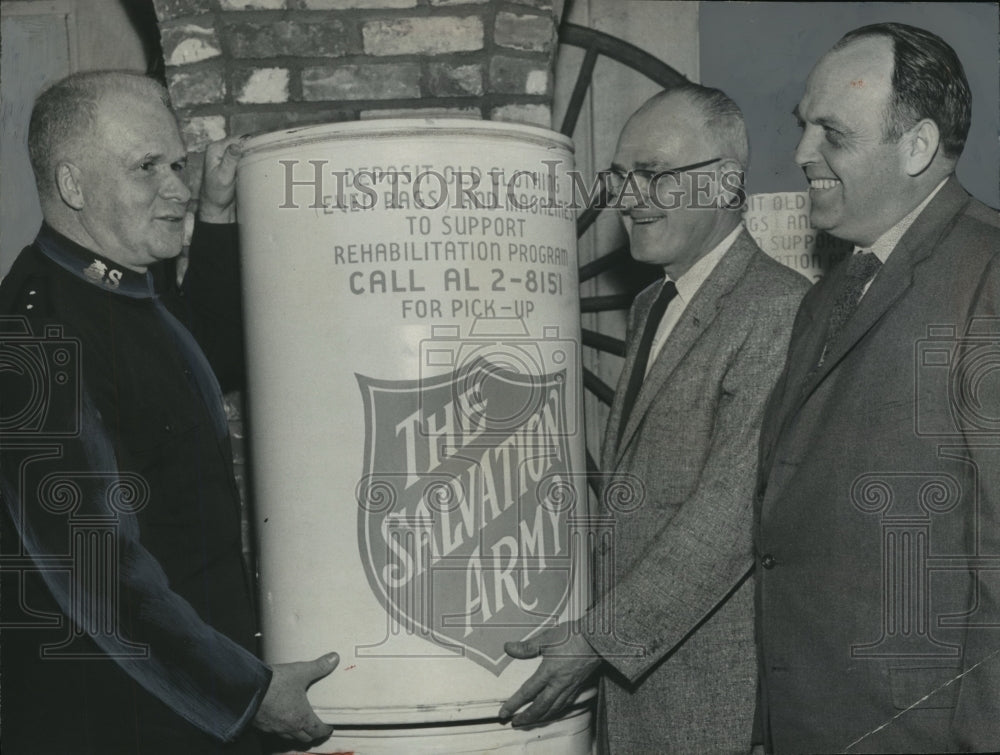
[
  {"x": 885, "y": 243},
  {"x": 687, "y": 286}
]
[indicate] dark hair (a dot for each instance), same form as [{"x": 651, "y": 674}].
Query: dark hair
[
  {"x": 928, "y": 81},
  {"x": 67, "y": 111}
]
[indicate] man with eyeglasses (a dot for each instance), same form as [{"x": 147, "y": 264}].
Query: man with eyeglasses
[{"x": 671, "y": 632}]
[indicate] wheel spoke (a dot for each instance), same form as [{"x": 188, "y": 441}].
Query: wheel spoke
[
  {"x": 607, "y": 303},
  {"x": 627, "y": 54},
  {"x": 588, "y": 216},
  {"x": 603, "y": 342},
  {"x": 583, "y": 79},
  {"x": 592, "y": 473},
  {"x": 604, "y": 262},
  {"x": 604, "y": 392}
]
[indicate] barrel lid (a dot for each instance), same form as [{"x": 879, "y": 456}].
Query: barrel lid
[{"x": 395, "y": 128}]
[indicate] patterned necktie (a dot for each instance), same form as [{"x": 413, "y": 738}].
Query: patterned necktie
[
  {"x": 656, "y": 312},
  {"x": 861, "y": 268}
]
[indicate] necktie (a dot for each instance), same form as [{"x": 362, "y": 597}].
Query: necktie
[
  {"x": 861, "y": 268},
  {"x": 667, "y": 292}
]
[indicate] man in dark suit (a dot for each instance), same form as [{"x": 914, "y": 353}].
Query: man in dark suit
[
  {"x": 878, "y": 501},
  {"x": 128, "y": 624},
  {"x": 672, "y": 629}
]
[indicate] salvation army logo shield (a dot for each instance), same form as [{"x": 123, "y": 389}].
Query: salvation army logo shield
[{"x": 464, "y": 505}]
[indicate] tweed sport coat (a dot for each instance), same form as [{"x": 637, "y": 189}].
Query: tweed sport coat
[
  {"x": 675, "y": 601},
  {"x": 878, "y": 515}
]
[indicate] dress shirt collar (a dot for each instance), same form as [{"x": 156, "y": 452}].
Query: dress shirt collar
[
  {"x": 885, "y": 243},
  {"x": 93, "y": 268},
  {"x": 689, "y": 283}
]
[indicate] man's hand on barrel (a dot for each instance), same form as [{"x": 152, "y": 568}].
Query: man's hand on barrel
[
  {"x": 285, "y": 709},
  {"x": 568, "y": 663},
  {"x": 218, "y": 185}
]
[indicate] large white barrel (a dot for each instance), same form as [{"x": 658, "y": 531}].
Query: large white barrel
[{"x": 412, "y": 319}]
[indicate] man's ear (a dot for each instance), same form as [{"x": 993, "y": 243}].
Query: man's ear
[
  {"x": 920, "y": 144},
  {"x": 730, "y": 193},
  {"x": 70, "y": 185}
]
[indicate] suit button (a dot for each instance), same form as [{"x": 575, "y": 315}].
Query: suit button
[{"x": 767, "y": 561}]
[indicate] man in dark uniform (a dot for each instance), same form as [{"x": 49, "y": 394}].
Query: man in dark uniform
[{"x": 127, "y": 616}]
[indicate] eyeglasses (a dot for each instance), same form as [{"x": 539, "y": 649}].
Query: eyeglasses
[{"x": 643, "y": 178}]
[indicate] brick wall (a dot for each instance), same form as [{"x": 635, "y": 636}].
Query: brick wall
[{"x": 246, "y": 66}]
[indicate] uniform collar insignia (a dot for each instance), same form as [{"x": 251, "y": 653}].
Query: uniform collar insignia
[
  {"x": 94, "y": 269},
  {"x": 100, "y": 272}
]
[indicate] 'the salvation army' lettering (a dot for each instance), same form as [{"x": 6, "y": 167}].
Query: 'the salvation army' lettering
[
  {"x": 433, "y": 433},
  {"x": 465, "y": 503},
  {"x": 496, "y": 479}
]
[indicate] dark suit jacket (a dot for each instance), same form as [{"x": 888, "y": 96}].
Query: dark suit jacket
[
  {"x": 673, "y": 590},
  {"x": 114, "y": 453},
  {"x": 878, "y": 516}
]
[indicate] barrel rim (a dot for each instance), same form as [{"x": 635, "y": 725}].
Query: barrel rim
[{"x": 388, "y": 128}]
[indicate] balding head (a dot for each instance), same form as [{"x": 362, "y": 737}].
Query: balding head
[
  {"x": 928, "y": 81},
  {"x": 710, "y": 114},
  {"x": 110, "y": 163},
  {"x": 64, "y": 120},
  {"x": 678, "y": 175},
  {"x": 877, "y": 138}
]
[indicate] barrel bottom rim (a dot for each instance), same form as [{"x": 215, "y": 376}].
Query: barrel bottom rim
[{"x": 451, "y": 715}]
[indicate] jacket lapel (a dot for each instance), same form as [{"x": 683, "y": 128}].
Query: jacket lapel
[
  {"x": 642, "y": 304},
  {"x": 697, "y": 317},
  {"x": 892, "y": 281}
]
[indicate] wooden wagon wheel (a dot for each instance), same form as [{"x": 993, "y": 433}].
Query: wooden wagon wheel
[{"x": 598, "y": 44}]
